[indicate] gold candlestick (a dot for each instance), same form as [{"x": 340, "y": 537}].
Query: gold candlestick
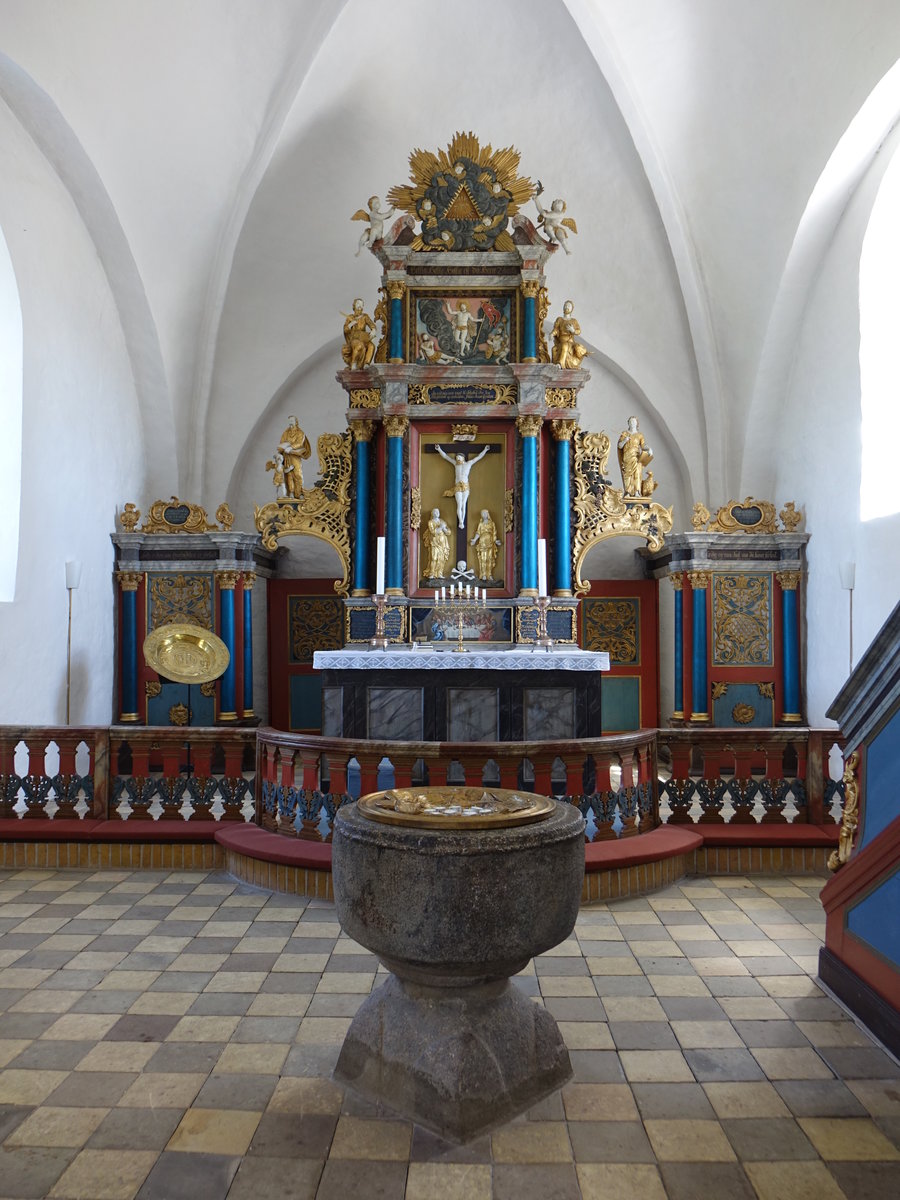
[
  {"x": 543, "y": 639},
  {"x": 380, "y": 640}
]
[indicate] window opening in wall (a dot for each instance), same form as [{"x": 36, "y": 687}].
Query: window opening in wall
[{"x": 879, "y": 348}]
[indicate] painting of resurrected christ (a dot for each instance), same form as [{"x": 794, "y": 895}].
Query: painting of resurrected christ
[{"x": 452, "y": 330}]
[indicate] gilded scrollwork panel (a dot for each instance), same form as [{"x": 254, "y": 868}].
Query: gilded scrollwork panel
[
  {"x": 742, "y": 620},
  {"x": 180, "y": 599},
  {"x": 613, "y": 624},
  {"x": 314, "y": 623}
]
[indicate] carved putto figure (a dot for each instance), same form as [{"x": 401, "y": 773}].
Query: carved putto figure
[
  {"x": 567, "y": 353},
  {"x": 376, "y": 217},
  {"x": 552, "y": 221},
  {"x": 359, "y": 348},
  {"x": 293, "y": 447},
  {"x": 461, "y": 468},
  {"x": 486, "y": 543},
  {"x": 437, "y": 545},
  {"x": 276, "y": 464},
  {"x": 634, "y": 455}
]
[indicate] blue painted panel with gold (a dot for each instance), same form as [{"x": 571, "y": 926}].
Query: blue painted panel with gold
[
  {"x": 177, "y": 704},
  {"x": 866, "y": 920},
  {"x": 361, "y": 623},
  {"x": 314, "y": 623},
  {"x": 613, "y": 624},
  {"x": 742, "y": 620},
  {"x": 743, "y": 705},
  {"x": 185, "y": 597}
]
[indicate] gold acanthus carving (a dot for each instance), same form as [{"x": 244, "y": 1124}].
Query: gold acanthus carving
[
  {"x": 179, "y": 714},
  {"x": 529, "y": 425},
  {"x": 380, "y": 316},
  {"x": 152, "y": 687},
  {"x": 850, "y": 819},
  {"x": 464, "y": 433},
  {"x": 362, "y": 430},
  {"x": 415, "y": 507},
  {"x": 677, "y": 582},
  {"x": 531, "y": 288},
  {"x": 509, "y": 511},
  {"x": 208, "y": 688},
  {"x": 601, "y": 510},
  {"x": 196, "y": 520},
  {"x": 322, "y": 511},
  {"x": 725, "y": 520},
  {"x": 396, "y": 427},
  {"x": 396, "y": 289},
  {"x": 789, "y": 580},
  {"x": 790, "y": 518},
  {"x": 177, "y": 599},
  {"x": 699, "y": 580},
  {"x": 543, "y": 312},
  {"x": 417, "y": 393},
  {"x": 564, "y": 431},
  {"x": 743, "y": 714},
  {"x": 718, "y": 690},
  {"x": 129, "y": 581},
  {"x": 365, "y": 398},
  {"x": 227, "y": 580},
  {"x": 766, "y": 690},
  {"x": 560, "y": 398}
]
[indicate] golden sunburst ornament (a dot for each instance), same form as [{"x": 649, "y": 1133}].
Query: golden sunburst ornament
[{"x": 463, "y": 196}]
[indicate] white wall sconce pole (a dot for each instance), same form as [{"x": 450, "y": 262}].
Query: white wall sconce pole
[
  {"x": 73, "y": 578},
  {"x": 848, "y": 582}
]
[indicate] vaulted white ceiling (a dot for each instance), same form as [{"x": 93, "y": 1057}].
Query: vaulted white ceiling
[{"x": 215, "y": 153}]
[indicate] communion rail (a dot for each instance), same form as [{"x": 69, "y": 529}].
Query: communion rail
[{"x": 292, "y": 784}]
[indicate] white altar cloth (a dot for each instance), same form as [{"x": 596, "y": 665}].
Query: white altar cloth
[{"x": 516, "y": 658}]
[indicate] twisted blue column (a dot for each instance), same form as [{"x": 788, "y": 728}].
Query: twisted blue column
[
  {"x": 129, "y": 654},
  {"x": 528, "y": 428},
  {"x": 678, "y": 714},
  {"x": 790, "y": 648},
  {"x": 396, "y": 354},
  {"x": 562, "y": 551},
  {"x": 699, "y": 689},
  {"x": 226, "y": 633},
  {"x": 393, "y": 564},
  {"x": 361, "y": 528},
  {"x": 248, "y": 646},
  {"x": 529, "y": 329}
]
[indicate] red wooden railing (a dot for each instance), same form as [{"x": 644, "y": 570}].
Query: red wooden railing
[{"x": 293, "y": 783}]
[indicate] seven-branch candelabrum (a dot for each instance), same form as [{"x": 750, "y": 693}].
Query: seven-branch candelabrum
[
  {"x": 461, "y": 604},
  {"x": 380, "y": 640}
]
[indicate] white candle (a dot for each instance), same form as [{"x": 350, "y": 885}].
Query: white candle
[
  {"x": 468, "y": 591},
  {"x": 443, "y": 592},
  {"x": 542, "y": 566},
  {"x": 452, "y": 590},
  {"x": 435, "y": 595},
  {"x": 379, "y": 567}
]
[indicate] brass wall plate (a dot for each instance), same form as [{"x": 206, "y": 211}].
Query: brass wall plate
[
  {"x": 186, "y": 653},
  {"x": 456, "y": 807}
]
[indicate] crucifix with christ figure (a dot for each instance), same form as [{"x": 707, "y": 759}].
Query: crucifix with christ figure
[{"x": 462, "y": 466}]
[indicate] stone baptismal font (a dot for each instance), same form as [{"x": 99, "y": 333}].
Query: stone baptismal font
[{"x": 455, "y": 890}]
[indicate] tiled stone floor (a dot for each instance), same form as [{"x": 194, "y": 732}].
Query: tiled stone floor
[{"x": 172, "y": 1035}]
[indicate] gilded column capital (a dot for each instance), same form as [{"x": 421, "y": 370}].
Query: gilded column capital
[
  {"x": 396, "y": 289},
  {"x": 529, "y": 425},
  {"x": 227, "y": 580},
  {"x": 249, "y": 580},
  {"x": 129, "y": 581},
  {"x": 362, "y": 430},
  {"x": 396, "y": 427},
  {"x": 677, "y": 581},
  {"x": 564, "y": 431},
  {"x": 699, "y": 580},
  {"x": 789, "y": 580},
  {"x": 530, "y": 288}
]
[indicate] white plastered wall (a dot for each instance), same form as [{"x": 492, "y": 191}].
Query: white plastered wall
[
  {"x": 81, "y": 449},
  {"x": 818, "y": 451}
]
